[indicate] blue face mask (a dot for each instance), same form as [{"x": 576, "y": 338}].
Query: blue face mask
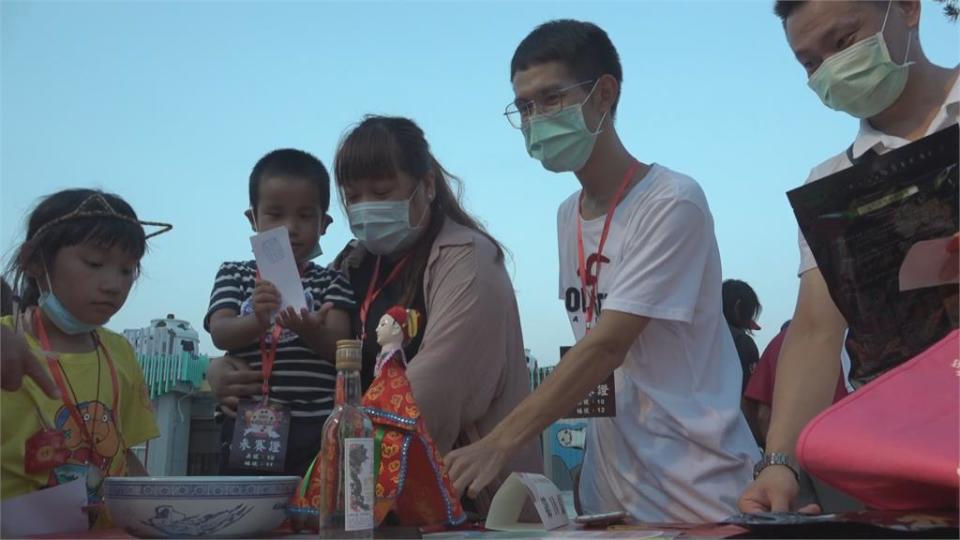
[
  {"x": 383, "y": 227},
  {"x": 61, "y": 316}
]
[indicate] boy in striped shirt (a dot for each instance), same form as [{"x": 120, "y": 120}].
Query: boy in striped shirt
[{"x": 287, "y": 188}]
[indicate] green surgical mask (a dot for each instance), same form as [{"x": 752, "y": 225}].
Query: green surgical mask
[
  {"x": 561, "y": 141},
  {"x": 862, "y": 80}
]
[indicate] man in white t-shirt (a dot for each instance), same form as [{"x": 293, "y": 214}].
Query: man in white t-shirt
[
  {"x": 865, "y": 59},
  {"x": 645, "y": 305}
]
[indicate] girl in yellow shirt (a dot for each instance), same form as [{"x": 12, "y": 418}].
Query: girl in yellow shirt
[{"x": 84, "y": 403}]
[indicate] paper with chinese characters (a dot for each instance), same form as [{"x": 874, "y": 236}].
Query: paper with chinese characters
[
  {"x": 276, "y": 264},
  {"x": 508, "y": 504}
]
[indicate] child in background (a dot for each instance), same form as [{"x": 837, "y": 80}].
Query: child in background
[
  {"x": 73, "y": 272},
  {"x": 287, "y": 188}
]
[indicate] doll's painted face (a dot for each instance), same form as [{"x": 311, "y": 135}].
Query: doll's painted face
[{"x": 389, "y": 332}]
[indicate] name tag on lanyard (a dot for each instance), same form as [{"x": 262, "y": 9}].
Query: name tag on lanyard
[
  {"x": 261, "y": 429},
  {"x": 260, "y": 436},
  {"x": 601, "y": 402}
]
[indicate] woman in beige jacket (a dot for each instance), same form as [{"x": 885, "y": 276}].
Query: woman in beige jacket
[{"x": 417, "y": 247}]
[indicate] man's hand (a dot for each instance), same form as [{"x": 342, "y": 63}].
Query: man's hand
[
  {"x": 305, "y": 321},
  {"x": 474, "y": 467},
  {"x": 266, "y": 302},
  {"x": 775, "y": 490},
  {"x": 232, "y": 379},
  {"x": 18, "y": 361}
]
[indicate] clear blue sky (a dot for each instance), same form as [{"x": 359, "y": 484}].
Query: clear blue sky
[{"x": 170, "y": 104}]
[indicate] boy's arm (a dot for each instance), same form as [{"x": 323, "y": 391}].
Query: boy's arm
[
  {"x": 322, "y": 329},
  {"x": 230, "y": 332}
]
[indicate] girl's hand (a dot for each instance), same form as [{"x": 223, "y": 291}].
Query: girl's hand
[
  {"x": 18, "y": 361},
  {"x": 266, "y": 302}
]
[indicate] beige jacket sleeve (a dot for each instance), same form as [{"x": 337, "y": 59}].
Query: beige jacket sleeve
[{"x": 459, "y": 371}]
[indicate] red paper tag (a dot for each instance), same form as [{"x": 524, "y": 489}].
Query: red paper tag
[{"x": 45, "y": 450}]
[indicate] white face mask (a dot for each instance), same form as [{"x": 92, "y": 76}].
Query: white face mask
[{"x": 384, "y": 226}]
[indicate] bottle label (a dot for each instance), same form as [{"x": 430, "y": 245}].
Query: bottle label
[{"x": 358, "y": 484}]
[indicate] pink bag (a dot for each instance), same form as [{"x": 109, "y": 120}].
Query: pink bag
[{"x": 894, "y": 443}]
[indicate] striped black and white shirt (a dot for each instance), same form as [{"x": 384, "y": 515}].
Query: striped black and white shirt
[{"x": 301, "y": 378}]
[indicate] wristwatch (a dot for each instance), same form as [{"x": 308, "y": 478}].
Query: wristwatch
[{"x": 777, "y": 458}]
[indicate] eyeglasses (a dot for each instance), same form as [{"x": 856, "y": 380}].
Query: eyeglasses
[{"x": 520, "y": 112}]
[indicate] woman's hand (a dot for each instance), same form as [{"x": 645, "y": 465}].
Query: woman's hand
[{"x": 232, "y": 379}]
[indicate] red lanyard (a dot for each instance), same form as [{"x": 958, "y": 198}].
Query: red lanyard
[
  {"x": 268, "y": 356},
  {"x": 581, "y": 261},
  {"x": 54, "y": 363},
  {"x": 373, "y": 291}
]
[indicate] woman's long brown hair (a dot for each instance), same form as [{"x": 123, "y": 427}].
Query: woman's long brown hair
[{"x": 382, "y": 146}]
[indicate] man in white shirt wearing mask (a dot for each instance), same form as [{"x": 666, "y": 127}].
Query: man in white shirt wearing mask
[
  {"x": 863, "y": 58},
  {"x": 640, "y": 279}
]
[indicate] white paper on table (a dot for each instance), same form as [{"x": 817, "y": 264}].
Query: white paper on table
[
  {"x": 508, "y": 503},
  {"x": 921, "y": 267},
  {"x": 58, "y": 509},
  {"x": 278, "y": 266}
]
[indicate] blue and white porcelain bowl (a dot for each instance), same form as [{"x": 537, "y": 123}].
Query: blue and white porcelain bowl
[{"x": 199, "y": 506}]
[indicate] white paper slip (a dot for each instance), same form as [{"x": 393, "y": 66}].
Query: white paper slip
[
  {"x": 48, "y": 511},
  {"x": 508, "y": 503},
  {"x": 278, "y": 266},
  {"x": 921, "y": 267}
]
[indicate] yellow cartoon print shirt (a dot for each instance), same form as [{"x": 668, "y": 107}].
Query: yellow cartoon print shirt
[{"x": 113, "y": 431}]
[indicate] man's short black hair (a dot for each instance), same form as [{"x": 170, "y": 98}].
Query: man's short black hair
[
  {"x": 583, "y": 47},
  {"x": 290, "y": 163},
  {"x": 784, "y": 8}
]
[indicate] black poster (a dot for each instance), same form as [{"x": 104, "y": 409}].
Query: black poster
[
  {"x": 600, "y": 402},
  {"x": 260, "y": 436},
  {"x": 860, "y": 223}
]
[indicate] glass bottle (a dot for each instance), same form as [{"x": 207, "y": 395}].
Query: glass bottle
[{"x": 347, "y": 494}]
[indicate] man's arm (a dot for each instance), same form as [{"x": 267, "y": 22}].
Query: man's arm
[
  {"x": 585, "y": 366},
  {"x": 806, "y": 379},
  {"x": 809, "y": 364}
]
